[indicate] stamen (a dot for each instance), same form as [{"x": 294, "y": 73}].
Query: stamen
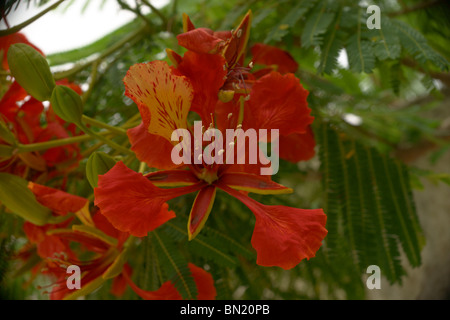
[
  {"x": 230, "y": 115},
  {"x": 247, "y": 97},
  {"x": 239, "y": 33}
]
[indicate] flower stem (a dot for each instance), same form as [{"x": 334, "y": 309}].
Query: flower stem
[
  {"x": 103, "y": 125},
  {"x": 111, "y": 143}
]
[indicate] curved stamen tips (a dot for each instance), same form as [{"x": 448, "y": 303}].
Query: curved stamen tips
[
  {"x": 230, "y": 115},
  {"x": 250, "y": 65},
  {"x": 247, "y": 97},
  {"x": 239, "y": 33}
]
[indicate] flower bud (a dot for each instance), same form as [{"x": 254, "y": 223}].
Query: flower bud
[
  {"x": 15, "y": 195},
  {"x": 98, "y": 163},
  {"x": 67, "y": 104},
  {"x": 31, "y": 71}
]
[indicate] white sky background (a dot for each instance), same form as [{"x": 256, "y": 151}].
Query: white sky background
[{"x": 61, "y": 30}]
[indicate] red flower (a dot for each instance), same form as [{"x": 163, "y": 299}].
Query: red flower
[
  {"x": 231, "y": 47},
  {"x": 23, "y": 114},
  {"x": 136, "y": 204},
  {"x": 7, "y": 41},
  {"x": 98, "y": 236}
]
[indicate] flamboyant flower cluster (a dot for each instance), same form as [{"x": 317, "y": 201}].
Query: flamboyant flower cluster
[
  {"x": 72, "y": 221},
  {"x": 31, "y": 121},
  {"x": 212, "y": 81}
]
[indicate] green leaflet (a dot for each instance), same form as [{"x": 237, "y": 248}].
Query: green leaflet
[
  {"x": 175, "y": 265},
  {"x": 368, "y": 201},
  {"x": 289, "y": 21},
  {"x": 331, "y": 47},
  {"x": 316, "y": 25},
  {"x": 416, "y": 45}
]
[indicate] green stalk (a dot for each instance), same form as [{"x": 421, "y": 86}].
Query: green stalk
[{"x": 103, "y": 125}]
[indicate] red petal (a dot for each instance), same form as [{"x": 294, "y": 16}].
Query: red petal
[
  {"x": 56, "y": 200},
  {"x": 283, "y": 236},
  {"x": 152, "y": 149},
  {"x": 278, "y": 102},
  {"x": 132, "y": 203},
  {"x": 200, "y": 210},
  {"x": 235, "y": 50},
  {"x": 269, "y": 55},
  {"x": 206, "y": 73},
  {"x": 47, "y": 245},
  {"x": 297, "y": 147},
  {"x": 166, "y": 292},
  {"x": 204, "y": 281},
  {"x": 200, "y": 40}
]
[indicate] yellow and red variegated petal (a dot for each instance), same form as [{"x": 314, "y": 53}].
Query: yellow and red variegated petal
[
  {"x": 58, "y": 201},
  {"x": 200, "y": 210},
  {"x": 152, "y": 149},
  {"x": 297, "y": 146},
  {"x": 167, "y": 291},
  {"x": 174, "y": 57},
  {"x": 201, "y": 40},
  {"x": 278, "y": 102},
  {"x": 187, "y": 23},
  {"x": 163, "y": 98},
  {"x": 132, "y": 203},
  {"x": 172, "y": 178},
  {"x": 253, "y": 183},
  {"x": 206, "y": 73},
  {"x": 205, "y": 283},
  {"x": 283, "y": 236},
  {"x": 234, "y": 51},
  {"x": 273, "y": 56}
]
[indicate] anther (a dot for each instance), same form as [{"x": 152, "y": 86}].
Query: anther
[
  {"x": 230, "y": 115},
  {"x": 239, "y": 33},
  {"x": 247, "y": 97}
]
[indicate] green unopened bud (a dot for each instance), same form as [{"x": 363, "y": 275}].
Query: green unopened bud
[
  {"x": 6, "y": 134},
  {"x": 98, "y": 163},
  {"x": 31, "y": 71},
  {"x": 67, "y": 104},
  {"x": 15, "y": 195}
]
